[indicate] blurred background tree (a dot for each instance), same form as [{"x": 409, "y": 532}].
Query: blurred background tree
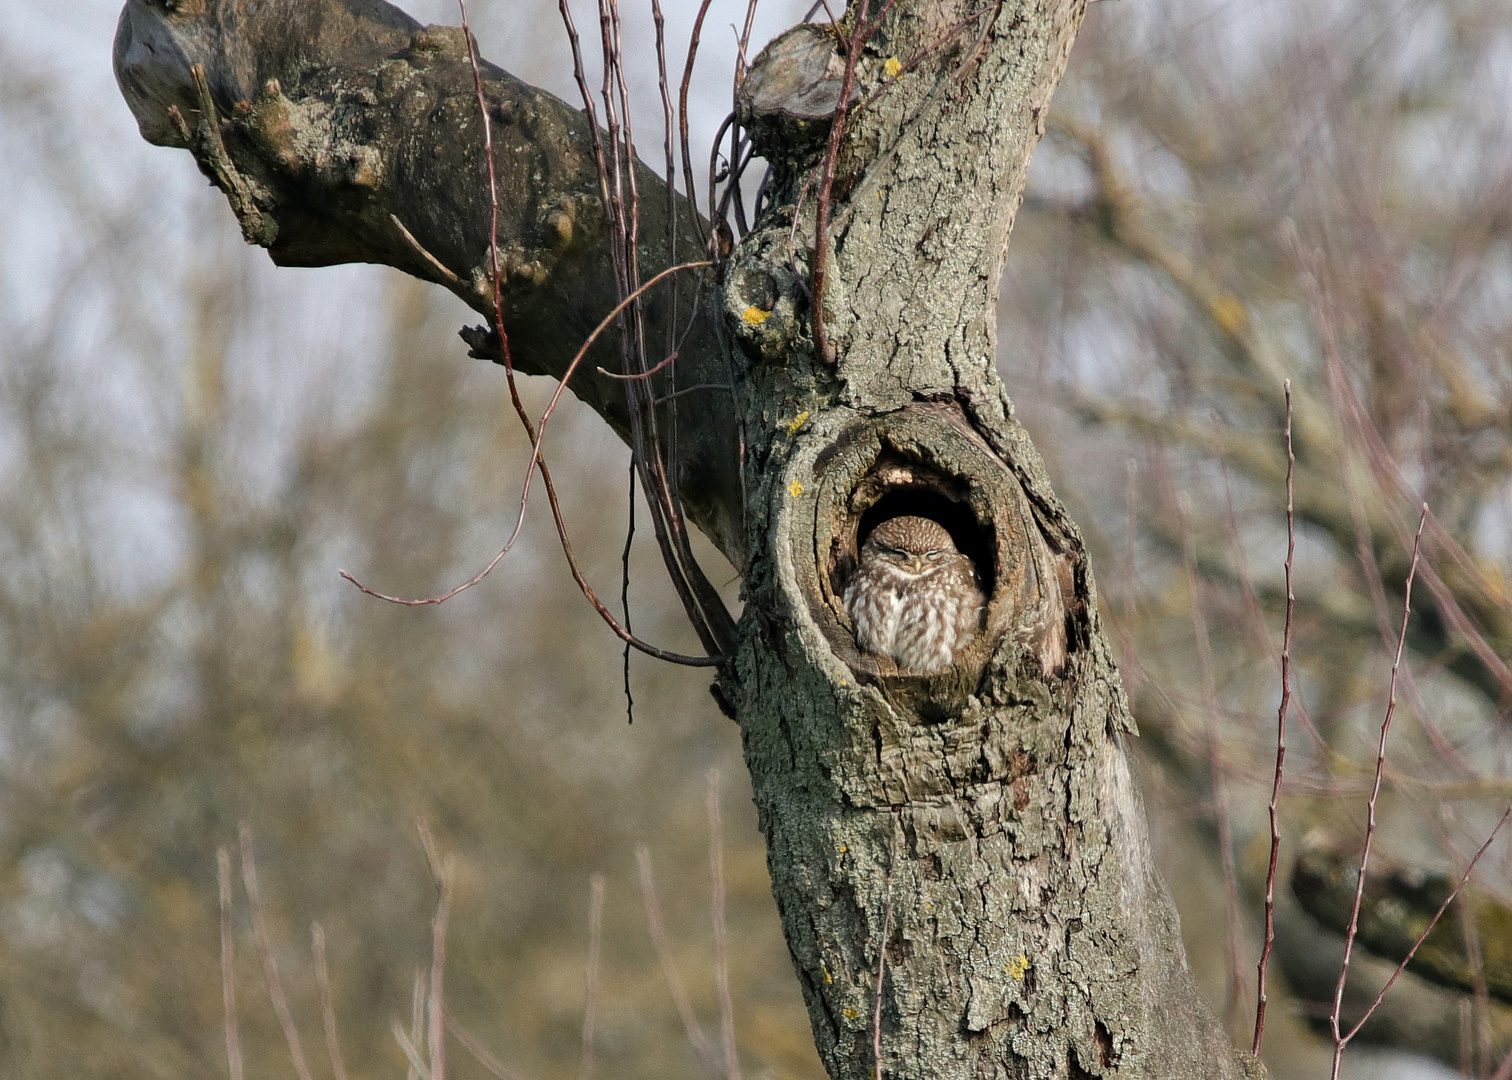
[{"x": 193, "y": 444}]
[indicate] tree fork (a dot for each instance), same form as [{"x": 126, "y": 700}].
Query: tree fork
[{"x": 1029, "y": 933}]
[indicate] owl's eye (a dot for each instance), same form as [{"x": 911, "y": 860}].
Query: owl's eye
[{"x": 935, "y": 554}]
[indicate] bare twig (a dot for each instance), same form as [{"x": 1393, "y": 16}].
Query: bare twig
[
  {"x": 696, "y": 1038},
  {"x": 445, "y": 271},
  {"x": 537, "y": 461},
  {"x": 327, "y": 1006},
  {"x": 265, "y": 954},
  {"x": 657, "y": 370},
  {"x": 1275, "y": 821},
  {"x": 1437, "y": 915},
  {"x": 1370, "y": 826},
  {"x": 682, "y": 114},
  {"x": 228, "y": 967},
  {"x": 625, "y": 595},
  {"x": 721, "y": 938}
]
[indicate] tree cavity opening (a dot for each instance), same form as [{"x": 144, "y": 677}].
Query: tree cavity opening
[{"x": 928, "y": 461}]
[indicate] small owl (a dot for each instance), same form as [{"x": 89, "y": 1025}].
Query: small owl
[{"x": 915, "y": 598}]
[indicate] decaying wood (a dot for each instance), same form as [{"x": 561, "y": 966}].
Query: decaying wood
[{"x": 1028, "y": 934}]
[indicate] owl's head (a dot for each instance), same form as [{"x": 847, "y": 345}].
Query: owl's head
[{"x": 913, "y": 545}]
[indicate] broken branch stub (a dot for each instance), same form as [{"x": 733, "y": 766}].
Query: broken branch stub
[{"x": 345, "y": 131}]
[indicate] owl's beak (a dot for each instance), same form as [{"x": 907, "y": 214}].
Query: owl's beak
[{"x": 917, "y": 564}]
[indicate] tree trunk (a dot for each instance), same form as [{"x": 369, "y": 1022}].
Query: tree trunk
[{"x": 985, "y": 818}]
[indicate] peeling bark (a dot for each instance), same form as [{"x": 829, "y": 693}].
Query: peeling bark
[{"x": 1029, "y": 934}]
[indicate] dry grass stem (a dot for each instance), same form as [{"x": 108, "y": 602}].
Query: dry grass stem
[
  {"x": 265, "y": 954},
  {"x": 721, "y": 937},
  {"x": 696, "y": 1038},
  {"x": 590, "y": 978},
  {"x": 327, "y": 1004},
  {"x": 228, "y": 967}
]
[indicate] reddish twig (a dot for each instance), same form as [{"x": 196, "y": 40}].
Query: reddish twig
[
  {"x": 682, "y": 114},
  {"x": 668, "y": 362},
  {"x": 1402, "y": 966},
  {"x": 1275, "y": 821},
  {"x": 265, "y": 954},
  {"x": 701, "y": 601},
  {"x": 696, "y": 1037},
  {"x": 721, "y": 938},
  {"x": 228, "y": 967},
  {"x": 327, "y": 1004},
  {"x": 1370, "y": 824},
  {"x": 537, "y": 462}
]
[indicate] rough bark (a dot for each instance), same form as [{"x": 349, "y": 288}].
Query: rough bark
[{"x": 986, "y": 817}]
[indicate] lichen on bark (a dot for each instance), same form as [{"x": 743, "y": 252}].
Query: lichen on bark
[{"x": 1028, "y": 933}]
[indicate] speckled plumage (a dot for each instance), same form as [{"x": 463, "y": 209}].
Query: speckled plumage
[{"x": 914, "y": 598}]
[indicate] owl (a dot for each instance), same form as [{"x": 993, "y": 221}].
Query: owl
[{"x": 915, "y": 598}]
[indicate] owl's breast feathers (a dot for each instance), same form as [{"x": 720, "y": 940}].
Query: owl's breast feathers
[{"x": 921, "y": 621}]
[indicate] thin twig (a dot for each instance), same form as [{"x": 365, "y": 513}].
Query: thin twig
[
  {"x": 1437, "y": 915},
  {"x": 327, "y": 1005},
  {"x": 625, "y": 596},
  {"x": 745, "y": 40},
  {"x": 657, "y": 370},
  {"x": 590, "y": 980},
  {"x": 1370, "y": 825},
  {"x": 721, "y": 938},
  {"x": 696, "y": 1038},
  {"x": 228, "y": 967},
  {"x": 682, "y": 117},
  {"x": 1275, "y": 820},
  {"x": 265, "y": 954},
  {"x": 445, "y": 271}
]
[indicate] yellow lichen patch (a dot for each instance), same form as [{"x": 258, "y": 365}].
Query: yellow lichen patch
[
  {"x": 892, "y": 67},
  {"x": 795, "y": 489},
  {"x": 797, "y": 422},
  {"x": 828, "y": 978},
  {"x": 755, "y": 316},
  {"x": 850, "y": 1014},
  {"x": 1018, "y": 967},
  {"x": 1230, "y": 314}
]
